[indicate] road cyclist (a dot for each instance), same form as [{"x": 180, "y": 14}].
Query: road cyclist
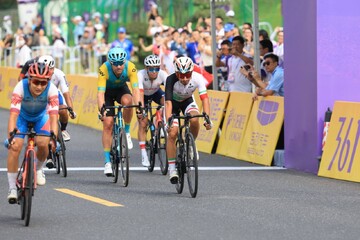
[
  {"x": 179, "y": 89},
  {"x": 113, "y": 76},
  {"x": 150, "y": 79},
  {"x": 34, "y": 100}
]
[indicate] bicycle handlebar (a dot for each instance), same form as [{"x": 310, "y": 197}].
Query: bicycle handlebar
[{"x": 188, "y": 116}]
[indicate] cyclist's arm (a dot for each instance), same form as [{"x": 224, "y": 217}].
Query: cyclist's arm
[
  {"x": 133, "y": 78},
  {"x": 140, "y": 77},
  {"x": 64, "y": 87},
  {"x": 12, "y": 122},
  {"x": 53, "y": 108},
  {"x": 203, "y": 94},
  {"x": 169, "y": 87},
  {"x": 102, "y": 78}
]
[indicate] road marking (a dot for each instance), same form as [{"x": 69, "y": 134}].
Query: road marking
[
  {"x": 88, "y": 197},
  {"x": 259, "y": 168}
]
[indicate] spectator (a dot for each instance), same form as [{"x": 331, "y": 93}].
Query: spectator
[
  {"x": 249, "y": 45},
  {"x": 58, "y": 49},
  {"x": 24, "y": 51},
  {"x": 85, "y": 44},
  {"x": 246, "y": 25},
  {"x": 206, "y": 52},
  {"x": 78, "y": 29},
  {"x": 44, "y": 42},
  {"x": 106, "y": 27},
  {"x": 222, "y": 61},
  {"x": 157, "y": 47},
  {"x": 192, "y": 47},
  {"x": 263, "y": 34},
  {"x": 229, "y": 31},
  {"x": 64, "y": 27},
  {"x": 7, "y": 44},
  {"x": 265, "y": 48},
  {"x": 236, "y": 80},
  {"x": 178, "y": 44},
  {"x": 220, "y": 33},
  {"x": 123, "y": 42},
  {"x": 279, "y": 44},
  {"x": 152, "y": 14},
  {"x": 7, "y": 25},
  {"x": 158, "y": 26}
]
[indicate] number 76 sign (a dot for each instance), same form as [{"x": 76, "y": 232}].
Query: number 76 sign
[{"x": 341, "y": 156}]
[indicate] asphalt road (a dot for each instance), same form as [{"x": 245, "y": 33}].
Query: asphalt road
[{"x": 240, "y": 201}]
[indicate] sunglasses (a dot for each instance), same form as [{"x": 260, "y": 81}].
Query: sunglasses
[
  {"x": 267, "y": 63},
  {"x": 120, "y": 63},
  {"x": 153, "y": 69},
  {"x": 38, "y": 82},
  {"x": 184, "y": 75}
]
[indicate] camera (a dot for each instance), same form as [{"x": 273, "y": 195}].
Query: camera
[{"x": 247, "y": 67}]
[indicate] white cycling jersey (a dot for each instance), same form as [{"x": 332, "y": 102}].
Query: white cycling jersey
[
  {"x": 150, "y": 87},
  {"x": 175, "y": 90},
  {"x": 58, "y": 79}
]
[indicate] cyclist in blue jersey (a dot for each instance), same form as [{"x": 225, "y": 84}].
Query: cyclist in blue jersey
[{"x": 34, "y": 100}]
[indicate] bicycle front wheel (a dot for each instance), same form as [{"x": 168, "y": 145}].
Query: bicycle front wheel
[
  {"x": 62, "y": 154},
  {"x": 161, "y": 140},
  {"x": 191, "y": 165},
  {"x": 150, "y": 147},
  {"x": 124, "y": 158},
  {"x": 114, "y": 156},
  {"x": 180, "y": 166},
  {"x": 29, "y": 186}
]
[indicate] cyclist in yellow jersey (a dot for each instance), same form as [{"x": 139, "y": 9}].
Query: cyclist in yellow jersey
[{"x": 112, "y": 86}]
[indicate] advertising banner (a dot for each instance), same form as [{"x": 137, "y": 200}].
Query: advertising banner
[{"x": 341, "y": 156}]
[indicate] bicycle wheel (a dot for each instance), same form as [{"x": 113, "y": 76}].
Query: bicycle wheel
[
  {"x": 180, "y": 166},
  {"x": 150, "y": 147},
  {"x": 114, "y": 156},
  {"x": 161, "y": 139},
  {"x": 191, "y": 165},
  {"x": 55, "y": 158},
  {"x": 19, "y": 183},
  {"x": 29, "y": 186},
  {"x": 62, "y": 154},
  {"x": 124, "y": 158}
]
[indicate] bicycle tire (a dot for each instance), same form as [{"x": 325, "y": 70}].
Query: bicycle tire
[
  {"x": 179, "y": 166},
  {"x": 114, "y": 156},
  {"x": 21, "y": 198},
  {"x": 29, "y": 186},
  {"x": 55, "y": 158},
  {"x": 124, "y": 158},
  {"x": 191, "y": 165},
  {"x": 150, "y": 147},
  {"x": 62, "y": 154},
  {"x": 161, "y": 140}
]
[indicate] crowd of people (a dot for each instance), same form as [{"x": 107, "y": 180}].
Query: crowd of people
[{"x": 179, "y": 58}]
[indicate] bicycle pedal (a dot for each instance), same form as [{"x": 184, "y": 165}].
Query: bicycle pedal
[{"x": 109, "y": 175}]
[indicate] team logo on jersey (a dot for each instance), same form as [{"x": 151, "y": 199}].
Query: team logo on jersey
[
  {"x": 134, "y": 70},
  {"x": 16, "y": 99},
  {"x": 101, "y": 73},
  {"x": 190, "y": 85}
]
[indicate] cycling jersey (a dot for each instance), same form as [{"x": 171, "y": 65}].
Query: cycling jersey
[
  {"x": 58, "y": 79},
  {"x": 25, "y": 68},
  {"x": 175, "y": 90},
  {"x": 32, "y": 108},
  {"x": 150, "y": 87},
  {"x": 108, "y": 80}
]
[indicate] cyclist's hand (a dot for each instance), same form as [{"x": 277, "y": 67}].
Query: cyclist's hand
[
  {"x": 208, "y": 124},
  {"x": 102, "y": 112},
  {"x": 6, "y": 143},
  {"x": 53, "y": 141},
  {"x": 72, "y": 113}
]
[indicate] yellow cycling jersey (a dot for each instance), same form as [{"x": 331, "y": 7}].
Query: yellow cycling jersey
[{"x": 108, "y": 80}]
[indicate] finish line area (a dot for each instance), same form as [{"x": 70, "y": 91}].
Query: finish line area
[{"x": 75, "y": 169}]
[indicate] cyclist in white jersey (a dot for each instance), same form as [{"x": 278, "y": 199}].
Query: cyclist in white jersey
[
  {"x": 150, "y": 80},
  {"x": 179, "y": 89},
  {"x": 59, "y": 80}
]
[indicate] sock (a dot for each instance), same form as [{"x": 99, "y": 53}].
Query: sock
[
  {"x": 127, "y": 127},
  {"x": 63, "y": 126},
  {"x": 39, "y": 165},
  {"x": 172, "y": 163},
  {"x": 12, "y": 180},
  {"x": 107, "y": 155},
  {"x": 142, "y": 147}
]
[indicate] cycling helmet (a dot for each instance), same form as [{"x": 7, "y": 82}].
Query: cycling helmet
[
  {"x": 152, "y": 61},
  {"x": 40, "y": 70},
  {"x": 48, "y": 60},
  {"x": 117, "y": 54},
  {"x": 183, "y": 65}
]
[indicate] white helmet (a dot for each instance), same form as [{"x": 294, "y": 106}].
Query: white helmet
[
  {"x": 48, "y": 60},
  {"x": 183, "y": 65},
  {"x": 152, "y": 61}
]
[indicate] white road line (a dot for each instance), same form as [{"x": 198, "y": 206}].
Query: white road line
[{"x": 74, "y": 169}]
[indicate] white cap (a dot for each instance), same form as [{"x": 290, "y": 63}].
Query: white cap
[
  {"x": 7, "y": 17},
  {"x": 230, "y": 13},
  {"x": 77, "y": 18},
  {"x": 64, "y": 19},
  {"x": 106, "y": 15},
  {"x": 96, "y": 14}
]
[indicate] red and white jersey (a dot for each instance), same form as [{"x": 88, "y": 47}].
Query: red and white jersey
[
  {"x": 150, "y": 87},
  {"x": 58, "y": 79}
]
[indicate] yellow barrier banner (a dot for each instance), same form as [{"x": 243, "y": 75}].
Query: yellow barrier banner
[
  {"x": 263, "y": 130},
  {"x": 83, "y": 90},
  {"x": 9, "y": 79},
  {"x": 341, "y": 156},
  {"x": 206, "y": 139},
  {"x": 233, "y": 128}
]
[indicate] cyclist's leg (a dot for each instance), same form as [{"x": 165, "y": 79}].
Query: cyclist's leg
[
  {"x": 125, "y": 98},
  {"x": 142, "y": 137},
  {"x": 64, "y": 117},
  {"x": 171, "y": 142},
  {"x": 193, "y": 109},
  {"x": 108, "y": 122},
  {"x": 42, "y": 144},
  {"x": 12, "y": 160}
]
